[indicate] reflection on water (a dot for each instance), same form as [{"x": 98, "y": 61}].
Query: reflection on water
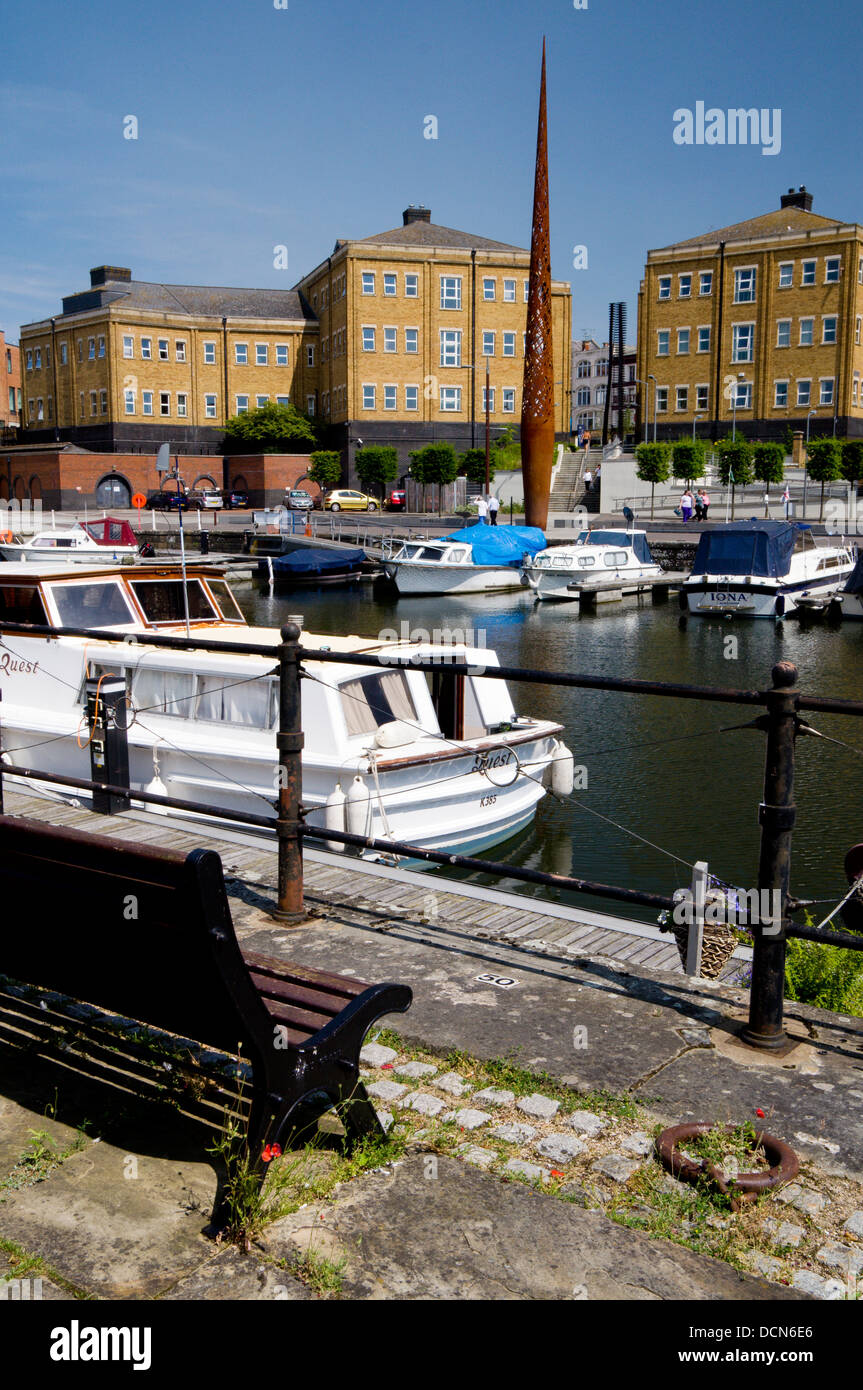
[{"x": 660, "y": 768}]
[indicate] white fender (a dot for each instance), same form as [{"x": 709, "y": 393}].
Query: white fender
[
  {"x": 562, "y": 771},
  {"x": 357, "y": 807},
  {"x": 334, "y": 817},
  {"x": 156, "y": 787}
]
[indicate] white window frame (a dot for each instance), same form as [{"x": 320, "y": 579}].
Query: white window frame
[
  {"x": 508, "y": 400},
  {"x": 91, "y": 352},
  {"x": 146, "y": 349},
  {"x": 369, "y": 337},
  {"x": 128, "y": 345},
  {"x": 704, "y": 328},
  {"x": 489, "y": 288},
  {"x": 804, "y": 382},
  {"x": 811, "y": 323},
  {"x": 103, "y": 402},
  {"x": 736, "y": 340},
  {"x": 660, "y": 400},
  {"x": 282, "y": 355},
  {"x": 825, "y": 383},
  {"x": 488, "y": 342},
  {"x": 369, "y": 396},
  {"x": 412, "y": 344},
  {"x": 393, "y": 338},
  {"x": 64, "y": 354},
  {"x": 858, "y": 329},
  {"x": 262, "y": 354},
  {"x": 832, "y": 261},
  {"x": 804, "y": 271},
  {"x": 742, "y": 297},
  {"x": 146, "y": 402},
  {"x": 241, "y": 404},
  {"x": 390, "y": 279},
  {"x": 164, "y": 349},
  {"x": 702, "y": 404},
  {"x": 450, "y": 347},
  {"x": 450, "y": 289},
  {"x": 164, "y": 403},
  {"x": 450, "y": 393},
  {"x": 508, "y": 291},
  {"x": 661, "y": 333},
  {"x": 702, "y": 276},
  {"x": 391, "y": 396},
  {"x": 241, "y": 361},
  {"x": 684, "y": 408},
  {"x": 412, "y": 398},
  {"x": 310, "y": 354},
  {"x": 507, "y": 342},
  {"x": 261, "y": 400},
  {"x": 209, "y": 354},
  {"x": 412, "y": 285},
  {"x": 664, "y": 284},
  {"x": 786, "y": 270},
  {"x": 687, "y": 338},
  {"x": 94, "y": 403},
  {"x": 491, "y": 392},
  {"x": 825, "y": 320},
  {"x": 367, "y": 281},
  {"x": 780, "y": 324},
  {"x": 310, "y": 405},
  {"x": 780, "y": 385},
  {"x": 179, "y": 349},
  {"x": 687, "y": 293},
  {"x": 210, "y": 405},
  {"x": 182, "y": 405},
  {"x": 744, "y": 389},
  {"x": 128, "y": 401}
]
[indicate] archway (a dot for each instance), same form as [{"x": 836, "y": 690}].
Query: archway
[
  {"x": 36, "y": 488},
  {"x": 205, "y": 480},
  {"x": 113, "y": 492},
  {"x": 239, "y": 484},
  {"x": 4, "y": 489},
  {"x": 19, "y": 489}
]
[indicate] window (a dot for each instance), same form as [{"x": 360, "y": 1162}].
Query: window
[
  {"x": 704, "y": 338},
  {"x": 488, "y": 343},
  {"x": 786, "y": 275},
  {"x": 262, "y": 355},
  {"x": 281, "y": 354},
  {"x": 209, "y": 353},
  {"x": 180, "y": 349},
  {"x": 64, "y": 355},
  {"x": 128, "y": 345},
  {"x": 682, "y": 340},
  {"x": 780, "y": 395},
  {"x": 210, "y": 407},
  {"x": 389, "y": 285},
  {"x": 29, "y": 360},
  {"x": 858, "y": 326},
  {"x": 450, "y": 291},
  {"x": 826, "y": 396},
  {"x": 583, "y": 369},
  {"x": 103, "y": 402},
  {"x": 509, "y": 345},
  {"x": 391, "y": 340},
  {"x": 489, "y": 287},
  {"x": 146, "y": 348},
  {"x": 368, "y": 339},
  {"x": 742, "y": 342},
  {"x": 831, "y": 270},
  {"x": 662, "y": 339},
  {"x": 601, "y": 392},
  {"x": 450, "y": 347},
  {"x": 310, "y": 355},
  {"x": 241, "y": 354},
  {"x": 390, "y": 394},
  {"x": 311, "y": 405},
  {"x": 508, "y": 400},
  {"x": 129, "y": 402},
  {"x": 665, "y": 287},
  {"x": 164, "y": 402},
  {"x": 411, "y": 286},
  {"x": 490, "y": 394},
  {"x": 162, "y": 602},
  {"x": 450, "y": 398},
  {"x": 242, "y": 405},
  {"x": 375, "y": 699},
  {"x": 412, "y": 397},
  {"x": 80, "y": 350},
  {"x": 91, "y": 352},
  {"x": 806, "y": 330},
  {"x": 701, "y": 397},
  {"x": 11, "y": 398},
  {"x": 182, "y": 404},
  {"x": 582, "y": 395},
  {"x": 808, "y": 277},
  {"x": 684, "y": 286},
  {"x": 94, "y": 403},
  {"x": 783, "y": 333},
  {"x": 509, "y": 291},
  {"x": 744, "y": 285},
  {"x": 163, "y": 349},
  {"x": 854, "y": 387},
  {"x": 744, "y": 395},
  {"x": 705, "y": 282},
  {"x": 368, "y": 398},
  {"x": 411, "y": 340},
  {"x": 828, "y": 329},
  {"x": 860, "y": 271},
  {"x": 146, "y": 402},
  {"x": 368, "y": 282},
  {"x": 30, "y": 411},
  {"x": 261, "y": 401},
  {"x": 803, "y": 388},
  {"x": 661, "y": 399},
  {"x": 682, "y": 398}
]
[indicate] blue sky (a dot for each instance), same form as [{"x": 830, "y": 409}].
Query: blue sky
[{"x": 261, "y": 126}]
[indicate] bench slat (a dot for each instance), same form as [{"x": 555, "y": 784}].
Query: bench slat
[{"x": 343, "y": 985}]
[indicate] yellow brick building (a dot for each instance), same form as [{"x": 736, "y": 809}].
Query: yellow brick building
[{"x": 762, "y": 321}]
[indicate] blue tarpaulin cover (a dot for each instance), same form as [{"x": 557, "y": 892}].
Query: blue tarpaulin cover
[
  {"x": 500, "y": 545},
  {"x": 855, "y": 578},
  {"x": 312, "y": 560},
  {"x": 762, "y": 548}
]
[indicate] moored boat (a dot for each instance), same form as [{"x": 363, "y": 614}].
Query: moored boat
[
  {"x": 593, "y": 559},
  {"x": 283, "y": 561},
  {"x": 104, "y": 541},
  {"x": 478, "y": 559},
  {"x": 762, "y": 569}
]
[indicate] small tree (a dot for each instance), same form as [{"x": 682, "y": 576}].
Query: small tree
[
  {"x": 652, "y": 465},
  {"x": 472, "y": 464},
  {"x": 325, "y": 469},
  {"x": 852, "y": 460},
  {"x": 735, "y": 464},
  {"x": 768, "y": 466},
  {"x": 377, "y": 465},
  {"x": 271, "y": 429},
  {"x": 824, "y": 464},
  {"x": 436, "y": 463},
  {"x": 687, "y": 459}
]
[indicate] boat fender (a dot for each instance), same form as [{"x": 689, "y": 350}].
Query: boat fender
[
  {"x": 394, "y": 734},
  {"x": 562, "y": 771},
  {"x": 357, "y": 807},
  {"x": 334, "y": 817},
  {"x": 780, "y": 605},
  {"x": 156, "y": 787}
]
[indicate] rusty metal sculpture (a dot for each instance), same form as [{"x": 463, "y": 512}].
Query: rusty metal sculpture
[{"x": 537, "y": 399}]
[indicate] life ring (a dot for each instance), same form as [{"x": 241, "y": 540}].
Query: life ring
[{"x": 6, "y": 538}]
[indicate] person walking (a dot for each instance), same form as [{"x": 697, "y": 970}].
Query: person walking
[
  {"x": 482, "y": 509},
  {"x": 699, "y": 506},
  {"x": 686, "y": 503},
  {"x": 493, "y": 509},
  {"x": 705, "y": 503},
  {"x": 786, "y": 501},
  {"x": 588, "y": 479}
]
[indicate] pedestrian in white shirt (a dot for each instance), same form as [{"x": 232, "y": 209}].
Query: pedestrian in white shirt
[
  {"x": 482, "y": 509},
  {"x": 493, "y": 509}
]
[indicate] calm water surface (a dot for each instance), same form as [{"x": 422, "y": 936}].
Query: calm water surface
[{"x": 661, "y": 768}]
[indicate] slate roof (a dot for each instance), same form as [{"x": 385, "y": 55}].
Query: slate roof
[
  {"x": 206, "y": 300},
  {"x": 777, "y": 223},
  {"x": 430, "y": 234}
]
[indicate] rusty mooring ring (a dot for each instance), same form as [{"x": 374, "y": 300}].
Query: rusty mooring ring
[{"x": 744, "y": 1187}]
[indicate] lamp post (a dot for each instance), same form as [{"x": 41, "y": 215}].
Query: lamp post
[
  {"x": 651, "y": 377},
  {"x": 695, "y": 420},
  {"x": 806, "y": 461},
  {"x": 741, "y": 376}
]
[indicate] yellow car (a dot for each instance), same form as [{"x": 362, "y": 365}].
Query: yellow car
[{"x": 346, "y": 500}]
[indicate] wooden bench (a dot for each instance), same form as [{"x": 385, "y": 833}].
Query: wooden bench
[{"x": 147, "y": 935}]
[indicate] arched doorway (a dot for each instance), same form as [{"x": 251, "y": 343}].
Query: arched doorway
[
  {"x": 206, "y": 480},
  {"x": 239, "y": 484},
  {"x": 36, "y": 488},
  {"x": 4, "y": 490},
  {"x": 113, "y": 492},
  {"x": 19, "y": 489}
]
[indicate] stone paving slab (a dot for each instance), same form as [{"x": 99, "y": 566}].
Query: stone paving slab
[{"x": 230, "y": 1276}]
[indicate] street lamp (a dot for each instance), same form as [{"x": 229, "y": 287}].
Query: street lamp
[
  {"x": 741, "y": 376},
  {"x": 806, "y": 461},
  {"x": 695, "y": 420},
  {"x": 651, "y": 377}
]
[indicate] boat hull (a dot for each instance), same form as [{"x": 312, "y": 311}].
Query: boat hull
[
  {"x": 411, "y": 578},
  {"x": 767, "y": 599}
]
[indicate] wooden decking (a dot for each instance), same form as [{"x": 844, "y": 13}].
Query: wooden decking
[{"x": 421, "y": 905}]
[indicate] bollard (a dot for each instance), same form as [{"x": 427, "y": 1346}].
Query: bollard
[
  {"x": 289, "y": 742},
  {"x": 776, "y": 815}
]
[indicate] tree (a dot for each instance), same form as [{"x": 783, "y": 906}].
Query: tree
[
  {"x": 377, "y": 465},
  {"x": 852, "y": 460},
  {"x": 824, "y": 464},
  {"x": 271, "y": 429},
  {"x": 436, "y": 463},
  {"x": 735, "y": 464},
  {"x": 687, "y": 459},
  {"x": 325, "y": 469},
  {"x": 652, "y": 465},
  {"x": 768, "y": 466},
  {"x": 472, "y": 464}
]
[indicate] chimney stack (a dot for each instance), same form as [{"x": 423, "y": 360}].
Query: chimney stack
[
  {"x": 416, "y": 213},
  {"x": 101, "y": 274},
  {"x": 800, "y": 199}
]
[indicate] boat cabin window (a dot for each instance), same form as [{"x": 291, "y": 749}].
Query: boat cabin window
[
  {"x": 221, "y": 698},
  {"x": 376, "y": 699},
  {"x": 55, "y": 542},
  {"x": 221, "y": 592},
  {"x": 101, "y": 603},
  {"x": 585, "y": 561},
  {"x": 22, "y": 603},
  {"x": 614, "y": 559},
  {"x": 456, "y": 557},
  {"x": 832, "y": 562},
  {"x": 162, "y": 600}
]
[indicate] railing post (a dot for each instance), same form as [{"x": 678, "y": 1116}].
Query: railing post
[
  {"x": 776, "y": 816},
  {"x": 695, "y": 940},
  {"x": 289, "y": 742}
]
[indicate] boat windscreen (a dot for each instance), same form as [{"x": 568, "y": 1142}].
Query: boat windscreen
[
  {"x": 638, "y": 541},
  {"x": 22, "y": 603},
  {"x": 93, "y": 604},
  {"x": 376, "y": 699},
  {"x": 162, "y": 600},
  {"x": 742, "y": 548}
]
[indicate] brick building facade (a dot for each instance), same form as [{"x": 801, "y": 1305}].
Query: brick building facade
[{"x": 10, "y": 394}]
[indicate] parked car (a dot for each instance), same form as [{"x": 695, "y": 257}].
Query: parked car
[
  {"x": 397, "y": 500},
  {"x": 210, "y": 498},
  {"x": 298, "y": 500},
  {"x": 235, "y": 499},
  {"x": 346, "y": 500},
  {"x": 169, "y": 499}
]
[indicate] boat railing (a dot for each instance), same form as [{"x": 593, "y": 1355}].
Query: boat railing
[{"x": 778, "y": 715}]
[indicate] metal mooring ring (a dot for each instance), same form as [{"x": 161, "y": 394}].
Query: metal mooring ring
[{"x": 744, "y": 1187}]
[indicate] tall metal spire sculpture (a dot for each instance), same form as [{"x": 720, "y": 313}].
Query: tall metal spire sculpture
[{"x": 537, "y": 398}]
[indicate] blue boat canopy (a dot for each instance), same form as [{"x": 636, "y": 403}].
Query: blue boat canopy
[
  {"x": 638, "y": 541},
  {"x": 314, "y": 560},
  {"x": 762, "y": 548},
  {"x": 855, "y": 578},
  {"x": 500, "y": 545}
]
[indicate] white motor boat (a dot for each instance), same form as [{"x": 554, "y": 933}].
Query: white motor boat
[
  {"x": 762, "y": 569},
  {"x": 590, "y": 562},
  {"x": 479, "y": 559},
  {"x": 444, "y": 762},
  {"x": 851, "y": 595},
  {"x": 104, "y": 541}
]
